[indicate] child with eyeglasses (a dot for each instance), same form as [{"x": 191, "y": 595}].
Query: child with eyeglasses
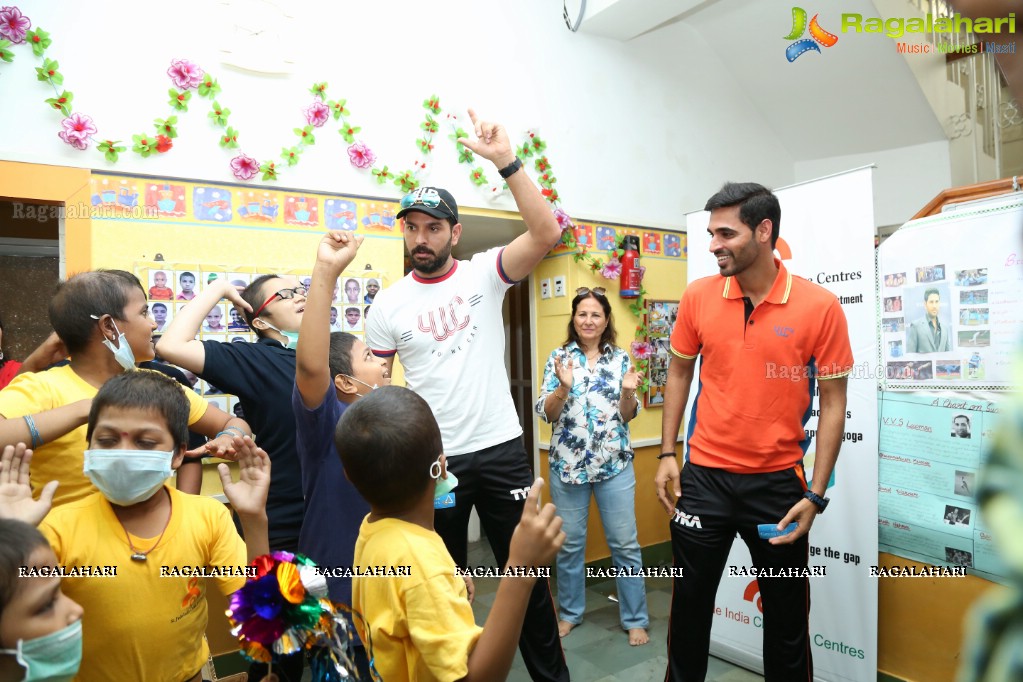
[
  {"x": 323, "y": 392},
  {"x": 261, "y": 375},
  {"x": 137, "y": 543}
]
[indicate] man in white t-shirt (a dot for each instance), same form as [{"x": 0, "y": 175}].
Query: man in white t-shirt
[{"x": 444, "y": 321}]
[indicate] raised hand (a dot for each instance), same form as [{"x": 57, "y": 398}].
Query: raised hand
[
  {"x": 337, "y": 249},
  {"x": 538, "y": 537},
  {"x": 248, "y": 495},
  {"x": 630, "y": 382},
  {"x": 491, "y": 142},
  {"x": 15, "y": 490},
  {"x": 563, "y": 370}
]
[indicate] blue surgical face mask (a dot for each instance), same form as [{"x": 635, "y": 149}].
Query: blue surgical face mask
[
  {"x": 444, "y": 485},
  {"x": 51, "y": 658},
  {"x": 122, "y": 351},
  {"x": 291, "y": 336},
  {"x": 127, "y": 477}
]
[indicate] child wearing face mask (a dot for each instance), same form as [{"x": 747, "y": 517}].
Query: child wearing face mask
[
  {"x": 421, "y": 623},
  {"x": 146, "y": 615},
  {"x": 103, "y": 320},
  {"x": 40, "y": 627},
  {"x": 322, "y": 392}
]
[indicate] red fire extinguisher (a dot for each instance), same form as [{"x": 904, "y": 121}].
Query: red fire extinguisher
[{"x": 630, "y": 278}]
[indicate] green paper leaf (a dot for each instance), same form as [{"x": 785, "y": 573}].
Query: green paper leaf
[
  {"x": 209, "y": 87},
  {"x": 167, "y": 127},
  {"x": 144, "y": 144},
  {"x": 425, "y": 145},
  {"x": 349, "y": 132},
  {"x": 291, "y": 154},
  {"x": 179, "y": 100},
  {"x": 433, "y": 104},
  {"x": 229, "y": 139},
  {"x": 382, "y": 175},
  {"x": 477, "y": 176},
  {"x": 430, "y": 124},
  {"x": 339, "y": 108},
  {"x": 318, "y": 89},
  {"x": 49, "y": 72},
  {"x": 62, "y": 102},
  {"x": 269, "y": 170},
  {"x": 39, "y": 40},
  {"x": 6, "y": 54},
  {"x": 305, "y": 135},
  {"x": 110, "y": 149},
  {"x": 524, "y": 151},
  {"x": 466, "y": 156},
  {"x": 219, "y": 114}
]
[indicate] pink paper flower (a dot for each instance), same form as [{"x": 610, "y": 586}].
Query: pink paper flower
[
  {"x": 78, "y": 126},
  {"x": 13, "y": 24},
  {"x": 185, "y": 74},
  {"x": 244, "y": 167},
  {"x": 74, "y": 141},
  {"x": 563, "y": 219},
  {"x": 642, "y": 350},
  {"x": 317, "y": 113},
  {"x": 612, "y": 269},
  {"x": 361, "y": 156}
]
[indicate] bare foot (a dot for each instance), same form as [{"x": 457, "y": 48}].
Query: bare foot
[
  {"x": 564, "y": 627},
  {"x": 637, "y": 636}
]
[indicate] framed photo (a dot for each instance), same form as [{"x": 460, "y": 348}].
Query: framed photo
[{"x": 660, "y": 318}]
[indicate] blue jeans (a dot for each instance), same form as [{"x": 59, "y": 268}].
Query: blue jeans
[{"x": 616, "y": 500}]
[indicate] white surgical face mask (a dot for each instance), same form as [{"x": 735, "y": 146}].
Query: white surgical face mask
[
  {"x": 122, "y": 351},
  {"x": 444, "y": 485},
  {"x": 51, "y": 658},
  {"x": 127, "y": 477},
  {"x": 372, "y": 388}
]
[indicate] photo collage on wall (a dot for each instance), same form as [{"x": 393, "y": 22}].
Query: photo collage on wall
[
  {"x": 660, "y": 318},
  {"x": 936, "y": 324},
  {"x": 170, "y": 287}
]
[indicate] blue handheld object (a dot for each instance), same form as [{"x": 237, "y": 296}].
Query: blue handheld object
[{"x": 770, "y": 530}]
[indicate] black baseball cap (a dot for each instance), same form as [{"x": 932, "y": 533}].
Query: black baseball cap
[{"x": 432, "y": 201}]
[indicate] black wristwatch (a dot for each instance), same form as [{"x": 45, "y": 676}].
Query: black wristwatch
[
  {"x": 821, "y": 502},
  {"x": 670, "y": 453},
  {"x": 510, "y": 169}
]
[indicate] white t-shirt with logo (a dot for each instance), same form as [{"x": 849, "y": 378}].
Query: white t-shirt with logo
[{"x": 449, "y": 334}]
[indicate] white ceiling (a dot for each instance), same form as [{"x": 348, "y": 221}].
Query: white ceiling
[{"x": 857, "y": 96}]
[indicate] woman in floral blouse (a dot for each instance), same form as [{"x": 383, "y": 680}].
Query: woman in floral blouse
[{"x": 589, "y": 394}]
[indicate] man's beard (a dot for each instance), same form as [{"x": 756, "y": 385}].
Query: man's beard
[{"x": 435, "y": 263}]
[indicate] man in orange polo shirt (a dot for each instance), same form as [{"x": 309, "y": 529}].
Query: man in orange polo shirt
[{"x": 765, "y": 338}]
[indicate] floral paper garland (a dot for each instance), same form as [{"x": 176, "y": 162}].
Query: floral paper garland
[{"x": 79, "y": 130}]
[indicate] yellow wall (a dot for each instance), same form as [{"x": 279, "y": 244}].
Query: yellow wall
[
  {"x": 665, "y": 279},
  {"x": 130, "y": 239},
  {"x": 920, "y": 623},
  {"x": 67, "y": 186}
]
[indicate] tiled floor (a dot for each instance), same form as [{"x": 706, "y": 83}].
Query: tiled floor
[{"x": 598, "y": 650}]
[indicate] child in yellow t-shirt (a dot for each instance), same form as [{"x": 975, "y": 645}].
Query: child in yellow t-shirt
[
  {"x": 142, "y": 548},
  {"x": 40, "y": 627},
  {"x": 420, "y": 624},
  {"x": 103, "y": 320}
]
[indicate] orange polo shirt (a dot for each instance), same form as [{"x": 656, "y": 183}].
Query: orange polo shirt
[{"x": 756, "y": 377}]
